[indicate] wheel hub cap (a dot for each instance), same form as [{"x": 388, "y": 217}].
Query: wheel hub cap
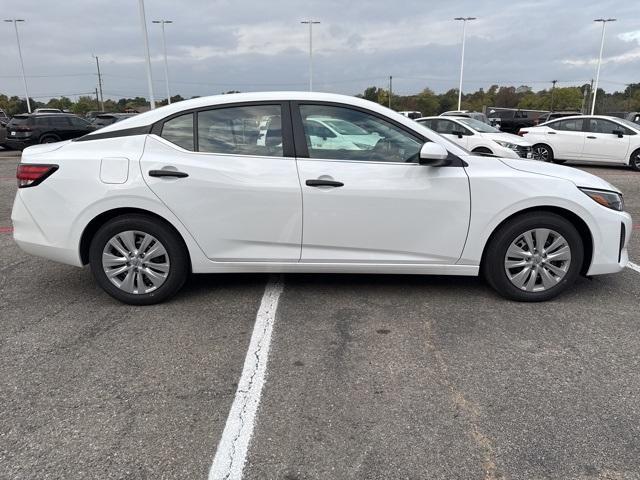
[
  {"x": 537, "y": 260},
  {"x": 135, "y": 262}
]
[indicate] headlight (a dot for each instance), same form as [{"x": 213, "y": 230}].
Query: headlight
[
  {"x": 509, "y": 145},
  {"x": 606, "y": 198}
]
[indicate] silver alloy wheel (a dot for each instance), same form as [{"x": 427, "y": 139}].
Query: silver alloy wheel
[
  {"x": 537, "y": 260},
  {"x": 135, "y": 262},
  {"x": 541, "y": 152}
]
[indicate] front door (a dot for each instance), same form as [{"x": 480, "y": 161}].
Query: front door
[
  {"x": 241, "y": 198},
  {"x": 375, "y": 203}
]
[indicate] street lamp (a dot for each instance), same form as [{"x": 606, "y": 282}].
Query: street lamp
[
  {"x": 24, "y": 78},
  {"x": 166, "y": 65},
  {"x": 595, "y": 91},
  {"x": 311, "y": 23},
  {"x": 464, "y": 34},
  {"x": 143, "y": 22}
]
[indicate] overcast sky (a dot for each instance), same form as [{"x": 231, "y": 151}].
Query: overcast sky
[{"x": 220, "y": 45}]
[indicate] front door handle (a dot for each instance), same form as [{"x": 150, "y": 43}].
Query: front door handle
[
  {"x": 551, "y": 133},
  {"x": 590, "y": 136},
  {"x": 167, "y": 173},
  {"x": 324, "y": 183}
]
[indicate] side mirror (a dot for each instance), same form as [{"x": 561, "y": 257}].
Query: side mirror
[
  {"x": 620, "y": 133},
  {"x": 459, "y": 133},
  {"x": 434, "y": 155}
]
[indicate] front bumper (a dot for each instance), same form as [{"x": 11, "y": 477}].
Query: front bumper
[{"x": 610, "y": 253}]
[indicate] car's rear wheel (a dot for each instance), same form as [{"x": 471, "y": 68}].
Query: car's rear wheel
[
  {"x": 542, "y": 152},
  {"x": 634, "y": 161},
  {"x": 533, "y": 257},
  {"x": 138, "y": 260},
  {"x": 49, "y": 139}
]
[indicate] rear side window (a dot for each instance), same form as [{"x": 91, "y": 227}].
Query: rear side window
[
  {"x": 56, "y": 122},
  {"x": 179, "y": 130},
  {"x": 44, "y": 122},
  {"x": 570, "y": 125},
  {"x": 245, "y": 130}
]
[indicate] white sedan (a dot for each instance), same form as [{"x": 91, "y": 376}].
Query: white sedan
[
  {"x": 586, "y": 138},
  {"x": 478, "y": 137},
  {"x": 197, "y": 187}
]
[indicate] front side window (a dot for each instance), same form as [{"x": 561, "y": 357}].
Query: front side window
[
  {"x": 356, "y": 135},
  {"x": 179, "y": 130},
  {"x": 78, "y": 122},
  {"x": 244, "y": 130},
  {"x": 573, "y": 125}
]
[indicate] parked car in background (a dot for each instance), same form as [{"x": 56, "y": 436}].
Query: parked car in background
[
  {"x": 513, "y": 119},
  {"x": 466, "y": 113},
  {"x": 547, "y": 117},
  {"x": 30, "y": 129},
  {"x": 104, "y": 119},
  {"x": 3, "y": 134},
  {"x": 155, "y": 199},
  {"x": 4, "y": 117},
  {"x": 93, "y": 114},
  {"x": 478, "y": 137},
  {"x": 586, "y": 138},
  {"x": 412, "y": 114},
  {"x": 47, "y": 110},
  {"x": 339, "y": 133}
]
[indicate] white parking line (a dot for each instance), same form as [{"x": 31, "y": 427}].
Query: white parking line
[
  {"x": 633, "y": 266},
  {"x": 232, "y": 450}
]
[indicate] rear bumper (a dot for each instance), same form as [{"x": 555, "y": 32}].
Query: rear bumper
[
  {"x": 30, "y": 237},
  {"x": 20, "y": 144}
]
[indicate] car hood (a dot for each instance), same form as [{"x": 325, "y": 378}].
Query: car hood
[
  {"x": 578, "y": 177},
  {"x": 507, "y": 137}
]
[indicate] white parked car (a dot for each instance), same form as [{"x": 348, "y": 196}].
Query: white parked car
[
  {"x": 478, "y": 137},
  {"x": 191, "y": 187},
  {"x": 586, "y": 138},
  {"x": 336, "y": 133}
]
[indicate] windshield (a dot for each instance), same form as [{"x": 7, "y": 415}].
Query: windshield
[
  {"x": 628, "y": 123},
  {"x": 346, "y": 128},
  {"x": 478, "y": 126}
]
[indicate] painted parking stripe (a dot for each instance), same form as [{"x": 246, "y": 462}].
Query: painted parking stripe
[
  {"x": 231, "y": 454},
  {"x": 633, "y": 266}
]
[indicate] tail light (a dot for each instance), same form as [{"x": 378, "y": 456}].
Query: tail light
[
  {"x": 30, "y": 175},
  {"x": 22, "y": 129}
]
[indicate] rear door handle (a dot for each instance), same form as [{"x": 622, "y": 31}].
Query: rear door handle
[
  {"x": 591, "y": 137},
  {"x": 551, "y": 133},
  {"x": 324, "y": 183},
  {"x": 167, "y": 173}
]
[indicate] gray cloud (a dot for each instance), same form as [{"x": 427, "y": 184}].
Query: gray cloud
[{"x": 250, "y": 45}]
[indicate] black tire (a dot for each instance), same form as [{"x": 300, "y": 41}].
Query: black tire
[
  {"x": 49, "y": 139},
  {"x": 493, "y": 265},
  {"x": 176, "y": 251},
  {"x": 542, "y": 152},
  {"x": 634, "y": 161},
  {"x": 482, "y": 150}
]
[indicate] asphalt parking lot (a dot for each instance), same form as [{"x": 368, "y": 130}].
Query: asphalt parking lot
[{"x": 369, "y": 377}]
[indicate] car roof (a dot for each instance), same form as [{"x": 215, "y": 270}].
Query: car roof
[{"x": 153, "y": 116}]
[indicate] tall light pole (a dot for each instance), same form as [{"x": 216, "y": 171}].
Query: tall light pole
[
  {"x": 143, "y": 22},
  {"x": 595, "y": 90},
  {"x": 464, "y": 37},
  {"x": 311, "y": 23},
  {"x": 166, "y": 64},
  {"x": 24, "y": 78},
  {"x": 100, "y": 83},
  {"x": 553, "y": 88}
]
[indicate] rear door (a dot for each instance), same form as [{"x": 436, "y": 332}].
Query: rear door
[
  {"x": 566, "y": 137},
  {"x": 376, "y": 204},
  {"x": 602, "y": 144},
  {"x": 232, "y": 184}
]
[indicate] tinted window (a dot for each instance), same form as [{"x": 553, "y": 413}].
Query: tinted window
[
  {"x": 179, "y": 130},
  {"x": 246, "y": 130},
  {"x": 572, "y": 125},
  {"x": 43, "y": 122},
  {"x": 599, "y": 125},
  {"x": 58, "y": 122},
  {"x": 78, "y": 122},
  {"x": 381, "y": 140}
]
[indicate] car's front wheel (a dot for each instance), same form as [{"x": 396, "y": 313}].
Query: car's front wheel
[
  {"x": 542, "y": 152},
  {"x": 533, "y": 257},
  {"x": 138, "y": 260}
]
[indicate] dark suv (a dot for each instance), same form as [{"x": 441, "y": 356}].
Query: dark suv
[{"x": 26, "y": 130}]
